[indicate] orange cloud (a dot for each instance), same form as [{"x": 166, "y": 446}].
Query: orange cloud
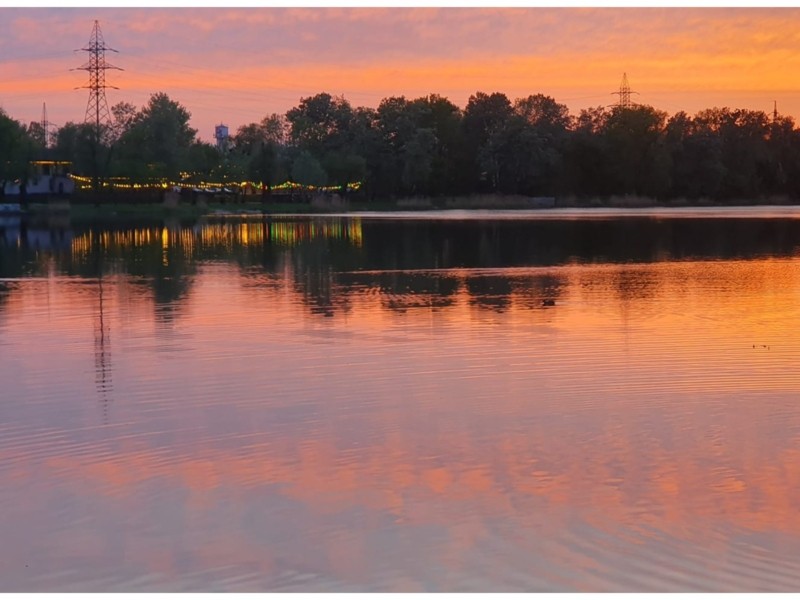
[{"x": 216, "y": 61}]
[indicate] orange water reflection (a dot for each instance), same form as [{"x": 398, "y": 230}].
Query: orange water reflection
[
  {"x": 433, "y": 418},
  {"x": 673, "y": 492}
]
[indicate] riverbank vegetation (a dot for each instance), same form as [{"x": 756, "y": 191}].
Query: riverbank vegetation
[{"x": 430, "y": 148}]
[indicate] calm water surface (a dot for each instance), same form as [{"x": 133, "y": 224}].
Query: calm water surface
[{"x": 393, "y": 404}]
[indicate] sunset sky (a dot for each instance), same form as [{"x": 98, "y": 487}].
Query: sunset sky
[{"x": 234, "y": 66}]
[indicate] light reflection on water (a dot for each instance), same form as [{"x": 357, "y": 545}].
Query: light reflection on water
[{"x": 343, "y": 404}]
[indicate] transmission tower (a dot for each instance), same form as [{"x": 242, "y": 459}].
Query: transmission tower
[
  {"x": 97, "y": 107},
  {"x": 625, "y": 93},
  {"x": 45, "y": 125}
]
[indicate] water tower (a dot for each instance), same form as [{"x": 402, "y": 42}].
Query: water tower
[{"x": 221, "y": 135}]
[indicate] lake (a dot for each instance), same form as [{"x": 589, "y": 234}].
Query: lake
[{"x": 580, "y": 400}]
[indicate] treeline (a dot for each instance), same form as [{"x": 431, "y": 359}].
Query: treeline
[{"x": 430, "y": 147}]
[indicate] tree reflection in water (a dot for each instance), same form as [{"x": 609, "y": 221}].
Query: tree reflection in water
[{"x": 413, "y": 262}]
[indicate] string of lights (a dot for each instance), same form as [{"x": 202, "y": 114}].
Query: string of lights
[{"x": 83, "y": 182}]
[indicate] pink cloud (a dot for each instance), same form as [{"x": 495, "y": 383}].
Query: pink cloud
[{"x": 222, "y": 61}]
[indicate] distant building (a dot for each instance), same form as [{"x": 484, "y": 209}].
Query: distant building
[
  {"x": 221, "y": 135},
  {"x": 48, "y": 178}
]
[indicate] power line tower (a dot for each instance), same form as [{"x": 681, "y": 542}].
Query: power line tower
[
  {"x": 45, "y": 125},
  {"x": 97, "y": 107},
  {"x": 625, "y": 93}
]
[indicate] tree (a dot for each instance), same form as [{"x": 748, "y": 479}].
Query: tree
[
  {"x": 202, "y": 158},
  {"x": 159, "y": 138},
  {"x": 367, "y": 142},
  {"x": 343, "y": 169},
  {"x": 635, "y": 141},
  {"x": 418, "y": 156},
  {"x": 326, "y": 128},
  {"x": 247, "y": 138},
  {"x": 784, "y": 156},
  {"x": 443, "y": 119},
  {"x": 587, "y": 160},
  {"x": 484, "y": 117},
  {"x": 125, "y": 115},
  {"x": 37, "y": 136},
  {"x": 267, "y": 166},
  {"x": 306, "y": 170},
  {"x": 544, "y": 113},
  {"x": 429, "y": 146},
  {"x": 275, "y": 129},
  {"x": 485, "y": 114},
  {"x": 320, "y": 124},
  {"x": 696, "y": 168},
  {"x": 16, "y": 151},
  {"x": 549, "y": 124},
  {"x": 743, "y": 136},
  {"x": 420, "y": 144},
  {"x": 229, "y": 168},
  {"x": 263, "y": 145},
  {"x": 521, "y": 154},
  {"x": 395, "y": 126},
  {"x": 272, "y": 129},
  {"x": 73, "y": 142}
]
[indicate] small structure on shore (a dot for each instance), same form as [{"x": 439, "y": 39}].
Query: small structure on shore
[{"x": 48, "y": 178}]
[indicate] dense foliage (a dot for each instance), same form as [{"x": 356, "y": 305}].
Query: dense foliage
[{"x": 430, "y": 147}]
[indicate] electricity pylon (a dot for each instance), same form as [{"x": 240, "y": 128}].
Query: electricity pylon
[
  {"x": 625, "y": 93},
  {"x": 45, "y": 125},
  {"x": 97, "y": 108}
]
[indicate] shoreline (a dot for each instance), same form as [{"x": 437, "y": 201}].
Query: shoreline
[{"x": 87, "y": 209}]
